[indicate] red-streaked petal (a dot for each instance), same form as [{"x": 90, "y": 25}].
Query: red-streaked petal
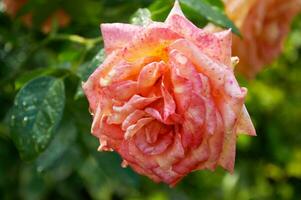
[
  {"x": 215, "y": 142},
  {"x": 169, "y": 103},
  {"x": 186, "y": 69},
  {"x": 168, "y": 175},
  {"x": 117, "y": 35},
  {"x": 123, "y": 90},
  {"x": 133, "y": 129},
  {"x": 136, "y": 102},
  {"x": 182, "y": 89},
  {"x": 216, "y": 46},
  {"x": 194, "y": 118},
  {"x": 192, "y": 159},
  {"x": 149, "y": 75},
  {"x": 176, "y": 10},
  {"x": 225, "y": 42},
  {"x": 172, "y": 155},
  {"x": 132, "y": 119},
  {"x": 158, "y": 147}
]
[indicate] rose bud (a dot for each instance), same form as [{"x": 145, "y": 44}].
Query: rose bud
[
  {"x": 264, "y": 24},
  {"x": 12, "y": 7},
  {"x": 166, "y": 98}
]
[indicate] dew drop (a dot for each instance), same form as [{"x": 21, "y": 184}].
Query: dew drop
[
  {"x": 124, "y": 164},
  {"x": 25, "y": 120},
  {"x": 12, "y": 120},
  {"x": 40, "y": 169}
]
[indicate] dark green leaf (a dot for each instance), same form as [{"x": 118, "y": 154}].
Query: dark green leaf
[
  {"x": 141, "y": 17},
  {"x": 125, "y": 175},
  {"x": 62, "y": 140},
  {"x": 37, "y": 110},
  {"x": 27, "y": 76},
  {"x": 212, "y": 14},
  {"x": 160, "y": 9},
  {"x": 87, "y": 69}
]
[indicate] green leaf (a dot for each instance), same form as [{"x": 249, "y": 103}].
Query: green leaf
[
  {"x": 114, "y": 171},
  {"x": 28, "y": 75},
  {"x": 87, "y": 69},
  {"x": 212, "y": 14},
  {"x": 141, "y": 17},
  {"x": 37, "y": 110},
  {"x": 216, "y": 3},
  {"x": 62, "y": 140},
  {"x": 160, "y": 9}
]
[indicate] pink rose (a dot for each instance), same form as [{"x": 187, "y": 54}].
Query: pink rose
[
  {"x": 166, "y": 98},
  {"x": 264, "y": 25}
]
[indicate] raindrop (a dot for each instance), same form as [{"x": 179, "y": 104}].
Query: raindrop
[
  {"x": 124, "y": 164},
  {"x": 40, "y": 169},
  {"x": 25, "y": 120},
  {"x": 13, "y": 120}
]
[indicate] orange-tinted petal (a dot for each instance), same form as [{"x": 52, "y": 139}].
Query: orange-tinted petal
[{"x": 149, "y": 75}]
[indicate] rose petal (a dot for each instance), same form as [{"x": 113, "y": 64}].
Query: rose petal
[
  {"x": 123, "y": 90},
  {"x": 149, "y": 75},
  {"x": 133, "y": 129},
  {"x": 169, "y": 103},
  {"x": 117, "y": 35},
  {"x": 132, "y": 119},
  {"x": 244, "y": 123},
  {"x": 176, "y": 10},
  {"x": 216, "y": 46},
  {"x": 156, "y": 148}
]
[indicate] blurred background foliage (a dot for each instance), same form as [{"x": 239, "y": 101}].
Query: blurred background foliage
[{"x": 66, "y": 164}]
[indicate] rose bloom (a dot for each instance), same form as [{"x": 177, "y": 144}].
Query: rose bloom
[
  {"x": 264, "y": 25},
  {"x": 166, "y": 98},
  {"x": 13, "y": 6}
]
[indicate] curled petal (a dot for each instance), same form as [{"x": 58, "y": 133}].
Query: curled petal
[
  {"x": 136, "y": 102},
  {"x": 156, "y": 148},
  {"x": 169, "y": 103},
  {"x": 149, "y": 75},
  {"x": 132, "y": 118},
  {"x": 133, "y": 129},
  {"x": 182, "y": 89}
]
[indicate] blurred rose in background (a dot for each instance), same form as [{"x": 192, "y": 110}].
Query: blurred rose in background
[
  {"x": 12, "y": 7},
  {"x": 264, "y": 25}
]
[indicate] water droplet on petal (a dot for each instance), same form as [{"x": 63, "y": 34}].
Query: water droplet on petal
[{"x": 124, "y": 164}]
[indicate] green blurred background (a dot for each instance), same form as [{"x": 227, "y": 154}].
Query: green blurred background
[{"x": 267, "y": 166}]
